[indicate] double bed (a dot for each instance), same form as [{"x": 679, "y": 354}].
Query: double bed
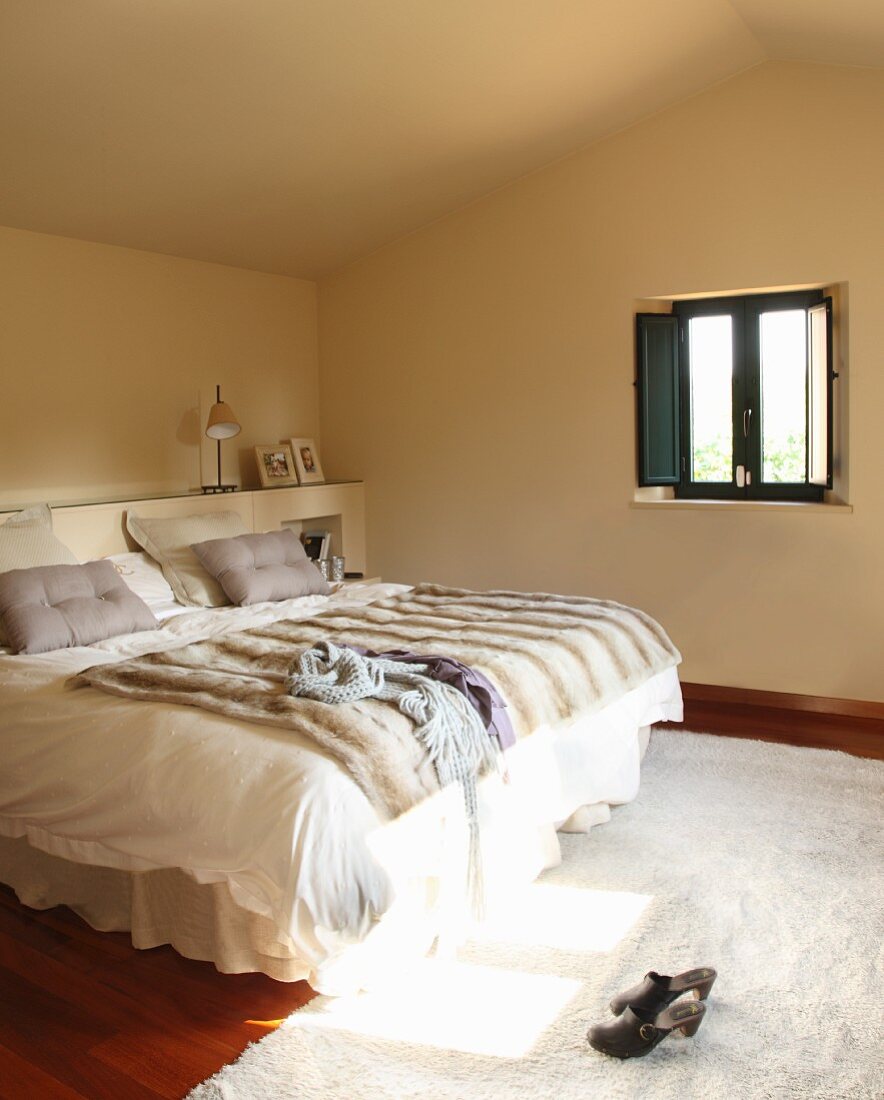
[{"x": 251, "y": 845}]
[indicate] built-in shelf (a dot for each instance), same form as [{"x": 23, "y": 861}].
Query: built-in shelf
[
  {"x": 172, "y": 494},
  {"x": 96, "y": 528}
]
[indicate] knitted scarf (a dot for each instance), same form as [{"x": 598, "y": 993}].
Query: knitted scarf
[{"x": 444, "y": 722}]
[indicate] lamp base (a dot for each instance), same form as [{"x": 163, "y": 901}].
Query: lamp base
[{"x": 219, "y": 488}]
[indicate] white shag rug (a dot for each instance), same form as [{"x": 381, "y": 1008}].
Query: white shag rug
[{"x": 762, "y": 860}]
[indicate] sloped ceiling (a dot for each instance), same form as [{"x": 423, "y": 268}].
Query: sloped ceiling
[{"x": 294, "y": 136}]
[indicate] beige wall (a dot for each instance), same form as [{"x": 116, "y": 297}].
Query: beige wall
[
  {"x": 109, "y": 358},
  {"x": 478, "y": 375}
]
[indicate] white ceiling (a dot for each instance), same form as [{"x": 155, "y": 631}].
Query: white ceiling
[{"x": 294, "y": 136}]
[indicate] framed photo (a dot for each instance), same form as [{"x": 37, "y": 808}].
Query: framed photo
[
  {"x": 276, "y": 466},
  {"x": 306, "y": 461}
]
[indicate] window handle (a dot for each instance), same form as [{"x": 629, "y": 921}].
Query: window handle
[{"x": 747, "y": 422}]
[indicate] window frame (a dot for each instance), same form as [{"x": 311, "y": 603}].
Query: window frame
[
  {"x": 684, "y": 311},
  {"x": 745, "y": 311}
]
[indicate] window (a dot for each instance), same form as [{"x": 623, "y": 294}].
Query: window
[{"x": 735, "y": 397}]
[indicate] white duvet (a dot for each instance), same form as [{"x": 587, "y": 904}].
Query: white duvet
[{"x": 102, "y": 780}]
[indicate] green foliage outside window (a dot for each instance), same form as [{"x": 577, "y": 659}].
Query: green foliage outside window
[
  {"x": 784, "y": 462},
  {"x": 712, "y": 459}
]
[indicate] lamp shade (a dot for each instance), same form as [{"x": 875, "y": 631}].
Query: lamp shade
[{"x": 222, "y": 423}]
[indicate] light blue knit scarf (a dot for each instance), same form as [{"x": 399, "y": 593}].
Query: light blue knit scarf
[{"x": 444, "y": 722}]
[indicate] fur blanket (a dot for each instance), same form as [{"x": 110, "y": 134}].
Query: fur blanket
[{"x": 553, "y": 658}]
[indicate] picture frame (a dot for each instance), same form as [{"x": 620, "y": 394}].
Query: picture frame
[
  {"x": 307, "y": 463},
  {"x": 276, "y": 465}
]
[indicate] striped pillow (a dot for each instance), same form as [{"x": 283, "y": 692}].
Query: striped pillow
[{"x": 168, "y": 541}]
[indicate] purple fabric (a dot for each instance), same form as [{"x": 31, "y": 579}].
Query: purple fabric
[{"x": 481, "y": 694}]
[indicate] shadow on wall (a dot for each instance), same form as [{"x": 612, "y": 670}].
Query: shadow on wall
[
  {"x": 189, "y": 428},
  {"x": 248, "y": 468}
]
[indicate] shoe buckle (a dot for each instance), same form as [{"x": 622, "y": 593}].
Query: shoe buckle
[{"x": 647, "y": 1032}]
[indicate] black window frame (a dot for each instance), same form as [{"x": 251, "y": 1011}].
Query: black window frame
[{"x": 666, "y": 363}]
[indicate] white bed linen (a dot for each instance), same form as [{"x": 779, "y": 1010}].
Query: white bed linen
[
  {"x": 145, "y": 577},
  {"x": 96, "y": 779}
]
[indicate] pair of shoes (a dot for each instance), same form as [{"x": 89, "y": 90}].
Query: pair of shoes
[{"x": 647, "y": 1013}]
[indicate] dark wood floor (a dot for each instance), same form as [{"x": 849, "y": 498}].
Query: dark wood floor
[{"x": 84, "y": 1016}]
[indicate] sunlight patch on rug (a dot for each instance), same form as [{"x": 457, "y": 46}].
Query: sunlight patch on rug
[
  {"x": 570, "y": 918},
  {"x": 450, "y": 1005}
]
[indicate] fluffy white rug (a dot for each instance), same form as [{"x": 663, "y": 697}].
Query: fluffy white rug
[{"x": 762, "y": 860}]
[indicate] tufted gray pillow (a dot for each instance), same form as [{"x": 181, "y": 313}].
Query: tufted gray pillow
[
  {"x": 255, "y": 568},
  {"x": 168, "y": 541},
  {"x": 56, "y": 606},
  {"x": 26, "y": 539}
]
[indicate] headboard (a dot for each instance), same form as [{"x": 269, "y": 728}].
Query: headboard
[{"x": 97, "y": 529}]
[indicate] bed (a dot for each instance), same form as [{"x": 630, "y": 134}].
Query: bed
[{"x": 251, "y": 846}]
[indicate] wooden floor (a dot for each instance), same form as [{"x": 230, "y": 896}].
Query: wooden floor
[{"x": 84, "y": 1015}]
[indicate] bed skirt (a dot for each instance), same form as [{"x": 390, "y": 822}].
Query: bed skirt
[{"x": 200, "y": 920}]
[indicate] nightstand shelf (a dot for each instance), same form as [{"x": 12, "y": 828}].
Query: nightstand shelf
[{"x": 338, "y": 508}]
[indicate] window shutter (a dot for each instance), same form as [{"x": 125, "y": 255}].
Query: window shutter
[
  {"x": 819, "y": 394},
  {"x": 659, "y": 448}
]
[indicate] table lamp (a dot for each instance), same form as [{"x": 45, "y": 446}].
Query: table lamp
[{"x": 222, "y": 424}]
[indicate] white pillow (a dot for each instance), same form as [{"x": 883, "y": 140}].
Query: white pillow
[
  {"x": 26, "y": 541},
  {"x": 168, "y": 541},
  {"x": 142, "y": 574}
]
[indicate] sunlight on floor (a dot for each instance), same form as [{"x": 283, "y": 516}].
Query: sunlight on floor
[
  {"x": 453, "y": 1006},
  {"x": 567, "y": 917}
]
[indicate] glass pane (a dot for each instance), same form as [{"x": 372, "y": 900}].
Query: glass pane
[
  {"x": 712, "y": 431},
  {"x": 818, "y": 396},
  {"x": 784, "y": 396}
]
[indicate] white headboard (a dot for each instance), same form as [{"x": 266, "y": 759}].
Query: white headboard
[{"x": 97, "y": 529}]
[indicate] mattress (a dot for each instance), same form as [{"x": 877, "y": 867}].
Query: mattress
[{"x": 270, "y": 819}]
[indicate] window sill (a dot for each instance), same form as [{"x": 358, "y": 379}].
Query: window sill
[{"x": 743, "y": 506}]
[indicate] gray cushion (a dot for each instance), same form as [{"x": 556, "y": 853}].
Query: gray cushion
[
  {"x": 168, "y": 541},
  {"x": 56, "y": 606},
  {"x": 26, "y": 539},
  {"x": 255, "y": 568}
]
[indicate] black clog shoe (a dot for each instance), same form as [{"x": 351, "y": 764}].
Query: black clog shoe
[
  {"x": 636, "y": 1032},
  {"x": 656, "y": 991}
]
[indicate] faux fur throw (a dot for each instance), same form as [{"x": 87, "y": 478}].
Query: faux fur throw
[{"x": 553, "y": 658}]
